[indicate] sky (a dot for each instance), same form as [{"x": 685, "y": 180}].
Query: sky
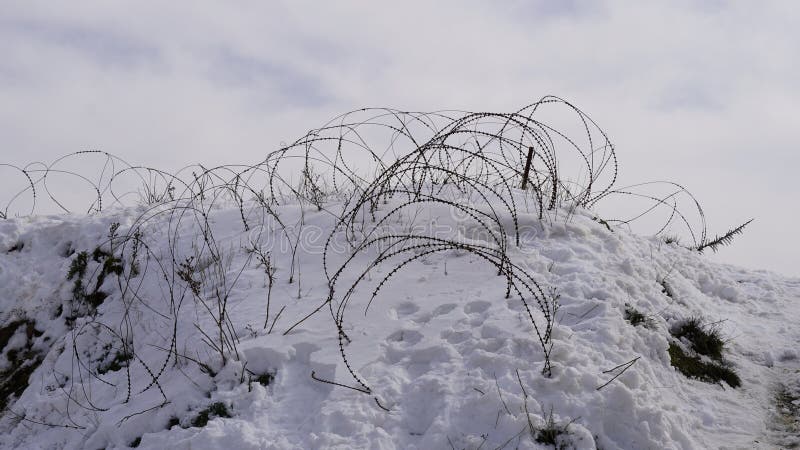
[{"x": 703, "y": 93}]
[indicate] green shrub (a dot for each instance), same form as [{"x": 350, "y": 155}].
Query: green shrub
[
  {"x": 109, "y": 264},
  {"x": 694, "y": 367},
  {"x": 78, "y": 266},
  {"x": 23, "y": 361},
  {"x": 705, "y": 340},
  {"x": 636, "y": 318}
]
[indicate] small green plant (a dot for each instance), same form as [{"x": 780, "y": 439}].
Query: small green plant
[
  {"x": 636, "y": 318},
  {"x": 77, "y": 267},
  {"x": 550, "y": 433},
  {"x": 705, "y": 340},
  {"x": 109, "y": 264},
  {"x": 725, "y": 239},
  {"x": 264, "y": 379},
  {"x": 695, "y": 367},
  {"x": 23, "y": 361},
  {"x": 672, "y": 239},
  {"x": 217, "y": 409}
]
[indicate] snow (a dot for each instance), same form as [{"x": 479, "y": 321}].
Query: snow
[{"x": 445, "y": 354}]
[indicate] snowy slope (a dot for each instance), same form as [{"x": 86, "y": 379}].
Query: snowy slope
[{"x": 440, "y": 347}]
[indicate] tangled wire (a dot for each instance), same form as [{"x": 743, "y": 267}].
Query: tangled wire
[{"x": 365, "y": 170}]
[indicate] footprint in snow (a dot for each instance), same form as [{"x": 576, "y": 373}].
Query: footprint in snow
[
  {"x": 444, "y": 309},
  {"x": 405, "y": 309},
  {"x": 478, "y": 306},
  {"x": 423, "y": 402},
  {"x": 405, "y": 337},
  {"x": 440, "y": 310}
]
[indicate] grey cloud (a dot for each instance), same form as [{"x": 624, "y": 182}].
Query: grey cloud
[
  {"x": 545, "y": 9},
  {"x": 101, "y": 46},
  {"x": 689, "y": 96},
  {"x": 287, "y": 84}
]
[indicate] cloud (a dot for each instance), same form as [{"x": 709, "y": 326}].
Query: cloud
[
  {"x": 99, "y": 46},
  {"x": 544, "y": 10},
  {"x": 292, "y": 87},
  {"x": 689, "y": 96}
]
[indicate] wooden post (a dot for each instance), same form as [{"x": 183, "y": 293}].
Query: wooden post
[{"x": 527, "y": 168}]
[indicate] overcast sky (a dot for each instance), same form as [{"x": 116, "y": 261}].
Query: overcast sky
[{"x": 704, "y": 93}]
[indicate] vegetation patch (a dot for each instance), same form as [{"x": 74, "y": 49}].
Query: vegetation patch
[
  {"x": 77, "y": 268},
  {"x": 695, "y": 367},
  {"x": 217, "y": 409},
  {"x": 7, "y": 332},
  {"x": 264, "y": 379},
  {"x": 705, "y": 340},
  {"x": 23, "y": 361},
  {"x": 637, "y": 318},
  {"x": 91, "y": 298},
  {"x": 706, "y": 362},
  {"x": 173, "y": 421},
  {"x": 109, "y": 264},
  {"x": 788, "y": 402},
  {"x": 785, "y": 420},
  {"x": 552, "y": 433}
]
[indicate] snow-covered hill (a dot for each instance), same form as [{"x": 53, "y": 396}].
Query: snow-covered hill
[
  {"x": 441, "y": 347},
  {"x": 431, "y": 305}
]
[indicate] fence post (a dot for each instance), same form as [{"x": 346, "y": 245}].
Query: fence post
[{"x": 527, "y": 168}]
